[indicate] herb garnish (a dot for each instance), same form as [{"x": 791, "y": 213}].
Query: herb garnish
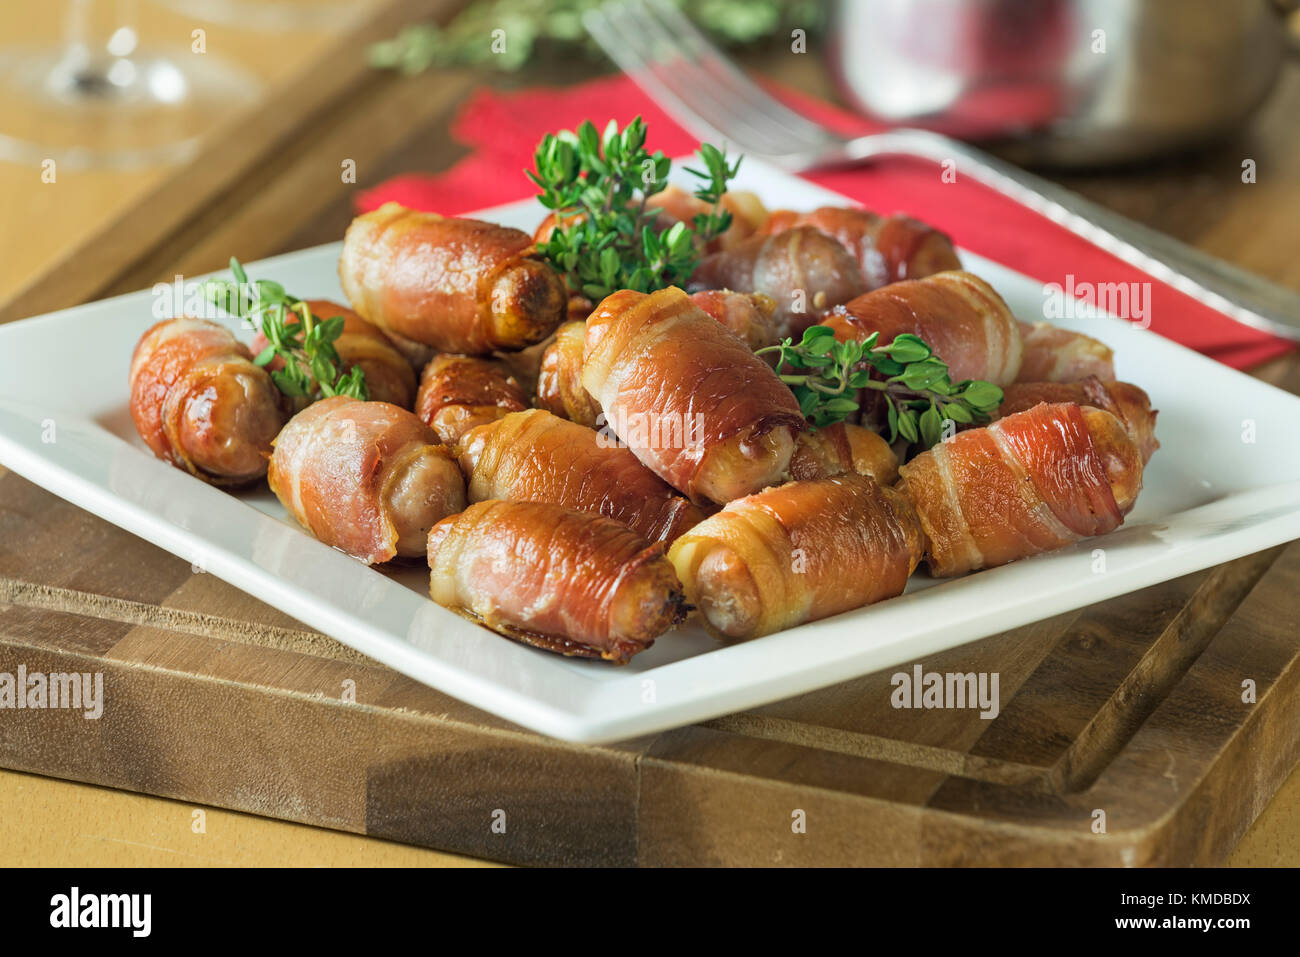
[
  {"x": 606, "y": 236},
  {"x": 312, "y": 368},
  {"x": 825, "y": 375}
]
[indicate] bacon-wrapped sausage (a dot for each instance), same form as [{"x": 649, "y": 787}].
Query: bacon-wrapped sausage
[
  {"x": 559, "y": 383},
  {"x": 1127, "y": 402},
  {"x": 368, "y": 478},
  {"x": 805, "y": 271},
  {"x": 1028, "y": 483},
  {"x": 887, "y": 248},
  {"x": 535, "y": 456},
  {"x": 843, "y": 448},
  {"x": 389, "y": 376},
  {"x": 1053, "y": 354},
  {"x": 459, "y": 285},
  {"x": 797, "y": 553},
  {"x": 200, "y": 403},
  {"x": 567, "y": 581},
  {"x": 690, "y": 399},
  {"x": 964, "y": 321},
  {"x": 750, "y": 315},
  {"x": 458, "y": 393}
]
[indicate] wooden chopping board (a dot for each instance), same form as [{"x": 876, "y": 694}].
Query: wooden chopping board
[{"x": 1132, "y": 708}]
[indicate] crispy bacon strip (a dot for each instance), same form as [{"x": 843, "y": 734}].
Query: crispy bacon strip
[
  {"x": 887, "y": 248},
  {"x": 200, "y": 403},
  {"x": 389, "y": 376},
  {"x": 368, "y": 478},
  {"x": 840, "y": 449},
  {"x": 797, "y": 553},
  {"x": 805, "y": 271},
  {"x": 690, "y": 399},
  {"x": 750, "y": 315},
  {"x": 1128, "y": 403},
  {"x": 1053, "y": 354},
  {"x": 559, "y": 383},
  {"x": 458, "y": 393},
  {"x": 1028, "y": 483},
  {"x": 535, "y": 456},
  {"x": 459, "y": 285},
  {"x": 567, "y": 581},
  {"x": 958, "y": 314}
]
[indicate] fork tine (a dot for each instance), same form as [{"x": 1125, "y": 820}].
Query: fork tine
[
  {"x": 641, "y": 52},
  {"x": 725, "y": 87},
  {"x": 713, "y": 103},
  {"x": 782, "y": 119},
  {"x": 631, "y": 61},
  {"x": 683, "y": 76}
]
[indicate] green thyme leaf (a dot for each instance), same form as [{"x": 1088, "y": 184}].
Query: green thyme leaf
[
  {"x": 907, "y": 425},
  {"x": 984, "y": 396},
  {"x": 908, "y": 348},
  {"x": 931, "y": 426}
]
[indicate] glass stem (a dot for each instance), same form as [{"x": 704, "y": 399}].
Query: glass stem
[{"x": 99, "y": 38}]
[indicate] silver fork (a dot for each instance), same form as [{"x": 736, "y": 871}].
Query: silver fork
[{"x": 669, "y": 58}]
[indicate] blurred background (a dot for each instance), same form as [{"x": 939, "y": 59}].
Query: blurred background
[{"x": 104, "y": 99}]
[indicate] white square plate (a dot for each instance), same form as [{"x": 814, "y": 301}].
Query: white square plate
[{"x": 1209, "y": 496}]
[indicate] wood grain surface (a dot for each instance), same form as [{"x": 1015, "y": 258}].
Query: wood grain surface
[{"x": 1131, "y": 709}]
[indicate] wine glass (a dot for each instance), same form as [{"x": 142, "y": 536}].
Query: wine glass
[{"x": 104, "y": 99}]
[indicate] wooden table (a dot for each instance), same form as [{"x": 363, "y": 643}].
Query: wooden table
[{"x": 1126, "y": 706}]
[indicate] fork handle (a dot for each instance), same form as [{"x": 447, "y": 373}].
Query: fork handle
[{"x": 1245, "y": 297}]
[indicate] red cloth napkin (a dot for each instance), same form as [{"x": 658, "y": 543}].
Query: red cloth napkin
[{"x": 503, "y": 129}]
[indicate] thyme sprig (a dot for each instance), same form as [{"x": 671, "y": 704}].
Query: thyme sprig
[
  {"x": 312, "y": 368},
  {"x": 607, "y": 236},
  {"x": 826, "y": 376}
]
